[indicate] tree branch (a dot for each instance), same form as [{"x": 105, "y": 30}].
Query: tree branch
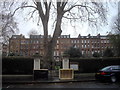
[
  {"x": 32, "y": 14},
  {"x": 64, "y": 4},
  {"x": 46, "y": 7},
  {"x": 73, "y": 7},
  {"x": 34, "y": 2},
  {"x": 38, "y": 21},
  {"x": 11, "y": 5},
  {"x": 21, "y": 8},
  {"x": 70, "y": 18},
  {"x": 39, "y": 8}
]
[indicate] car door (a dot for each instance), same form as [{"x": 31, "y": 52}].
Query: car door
[{"x": 116, "y": 71}]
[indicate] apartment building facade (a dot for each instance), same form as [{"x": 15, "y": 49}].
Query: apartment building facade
[
  {"x": 22, "y": 46},
  {"x": 5, "y": 50}
]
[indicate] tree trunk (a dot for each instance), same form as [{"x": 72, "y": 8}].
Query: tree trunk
[
  {"x": 45, "y": 45},
  {"x": 53, "y": 41},
  {"x": 49, "y": 45}
]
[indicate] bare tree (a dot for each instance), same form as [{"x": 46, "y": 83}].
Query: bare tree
[
  {"x": 115, "y": 37},
  {"x": 8, "y": 24},
  {"x": 116, "y": 21},
  {"x": 116, "y": 25},
  {"x": 91, "y": 12}
]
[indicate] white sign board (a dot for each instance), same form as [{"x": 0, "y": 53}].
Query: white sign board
[
  {"x": 36, "y": 64},
  {"x": 74, "y": 66}
]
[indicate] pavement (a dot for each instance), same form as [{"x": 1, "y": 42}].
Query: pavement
[{"x": 28, "y": 79}]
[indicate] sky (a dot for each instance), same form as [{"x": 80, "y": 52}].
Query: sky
[{"x": 26, "y": 25}]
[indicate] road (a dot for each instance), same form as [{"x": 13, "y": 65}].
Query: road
[{"x": 66, "y": 85}]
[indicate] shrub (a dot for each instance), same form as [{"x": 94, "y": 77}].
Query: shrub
[
  {"x": 108, "y": 53},
  {"x": 96, "y": 54},
  {"x": 91, "y": 65},
  {"x": 17, "y": 65},
  {"x": 73, "y": 52}
]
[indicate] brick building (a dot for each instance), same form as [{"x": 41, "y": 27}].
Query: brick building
[
  {"x": 5, "y": 49},
  {"x": 19, "y": 45}
]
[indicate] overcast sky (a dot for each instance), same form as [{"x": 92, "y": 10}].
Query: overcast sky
[{"x": 25, "y": 26}]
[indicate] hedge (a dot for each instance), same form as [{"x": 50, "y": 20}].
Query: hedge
[
  {"x": 17, "y": 65},
  {"x": 22, "y": 65},
  {"x": 92, "y": 65}
]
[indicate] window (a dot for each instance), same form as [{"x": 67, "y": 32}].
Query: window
[
  {"x": 82, "y": 46},
  {"x": 82, "y": 52},
  {"x": 41, "y": 36},
  {"x": 61, "y": 53},
  {"x": 88, "y": 41},
  {"x": 14, "y": 37},
  {"x": 101, "y": 41},
  {"x": 22, "y": 41},
  {"x": 37, "y": 41},
  {"x": 34, "y": 47},
  {"x": 75, "y": 46},
  {"x": 57, "y": 41},
  {"x": 104, "y": 41},
  {"x": 92, "y": 52},
  {"x": 57, "y": 53},
  {"x": 74, "y": 41},
  {"x": 57, "y": 46},
  {"x": 34, "y": 41},
  {"x": 94, "y": 41},
  {"x": 37, "y": 51},
  {"x": 27, "y": 42},
  {"x": 102, "y": 46},
  {"x": 68, "y": 36},
  {"x": 88, "y": 45},
  {"x": 82, "y": 41},
  {"x": 71, "y": 41},
  {"x": 92, "y": 46},
  {"x": 54, "y": 53}
]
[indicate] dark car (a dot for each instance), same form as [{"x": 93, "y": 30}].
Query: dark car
[{"x": 109, "y": 73}]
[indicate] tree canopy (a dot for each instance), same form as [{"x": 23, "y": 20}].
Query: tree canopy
[
  {"x": 108, "y": 53},
  {"x": 73, "y": 52},
  {"x": 8, "y": 24}
]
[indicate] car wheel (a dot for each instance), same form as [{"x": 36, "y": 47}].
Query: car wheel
[{"x": 113, "y": 79}]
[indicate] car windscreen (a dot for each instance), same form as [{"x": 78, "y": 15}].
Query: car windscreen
[
  {"x": 111, "y": 68},
  {"x": 106, "y": 69}
]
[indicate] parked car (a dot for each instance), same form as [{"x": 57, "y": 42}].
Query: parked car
[{"x": 109, "y": 73}]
